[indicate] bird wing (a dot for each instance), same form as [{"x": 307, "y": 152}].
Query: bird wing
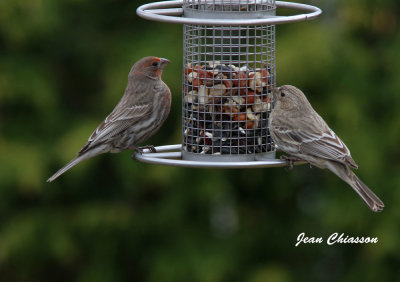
[
  {"x": 313, "y": 141},
  {"x": 119, "y": 120},
  {"x": 326, "y": 145}
]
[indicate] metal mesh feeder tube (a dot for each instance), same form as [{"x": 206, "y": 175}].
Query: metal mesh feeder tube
[
  {"x": 229, "y": 73},
  {"x": 228, "y": 77}
]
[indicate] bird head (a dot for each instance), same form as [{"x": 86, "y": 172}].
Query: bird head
[
  {"x": 151, "y": 67},
  {"x": 288, "y": 97}
]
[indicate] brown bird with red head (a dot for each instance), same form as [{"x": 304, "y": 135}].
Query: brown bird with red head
[{"x": 139, "y": 114}]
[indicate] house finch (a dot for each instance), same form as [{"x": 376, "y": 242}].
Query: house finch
[
  {"x": 139, "y": 114},
  {"x": 299, "y": 131}
]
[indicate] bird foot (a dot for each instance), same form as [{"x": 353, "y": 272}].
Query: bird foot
[
  {"x": 148, "y": 147},
  {"x": 290, "y": 160},
  {"x": 141, "y": 149}
]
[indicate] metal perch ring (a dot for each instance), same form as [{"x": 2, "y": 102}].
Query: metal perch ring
[
  {"x": 172, "y": 12},
  {"x": 171, "y": 155}
]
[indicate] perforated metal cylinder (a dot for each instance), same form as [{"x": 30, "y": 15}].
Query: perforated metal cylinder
[{"x": 228, "y": 76}]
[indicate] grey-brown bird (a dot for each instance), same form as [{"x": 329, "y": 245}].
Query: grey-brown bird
[
  {"x": 298, "y": 130},
  {"x": 139, "y": 114}
]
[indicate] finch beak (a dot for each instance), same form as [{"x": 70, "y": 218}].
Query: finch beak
[
  {"x": 164, "y": 62},
  {"x": 275, "y": 93}
]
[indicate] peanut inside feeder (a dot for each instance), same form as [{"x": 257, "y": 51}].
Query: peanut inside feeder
[{"x": 226, "y": 109}]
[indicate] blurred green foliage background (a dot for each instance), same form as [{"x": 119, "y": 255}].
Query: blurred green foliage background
[{"x": 63, "y": 67}]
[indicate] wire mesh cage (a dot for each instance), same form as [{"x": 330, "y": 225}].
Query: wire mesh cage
[
  {"x": 227, "y": 79},
  {"x": 228, "y": 76}
]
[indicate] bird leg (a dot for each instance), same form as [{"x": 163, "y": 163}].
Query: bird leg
[
  {"x": 140, "y": 150},
  {"x": 290, "y": 160},
  {"x": 149, "y": 147}
]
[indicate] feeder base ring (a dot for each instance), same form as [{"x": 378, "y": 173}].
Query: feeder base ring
[{"x": 171, "y": 155}]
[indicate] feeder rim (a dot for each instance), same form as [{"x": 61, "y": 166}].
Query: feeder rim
[
  {"x": 172, "y": 11},
  {"x": 171, "y": 155}
]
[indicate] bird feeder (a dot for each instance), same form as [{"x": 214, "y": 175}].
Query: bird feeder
[{"x": 228, "y": 75}]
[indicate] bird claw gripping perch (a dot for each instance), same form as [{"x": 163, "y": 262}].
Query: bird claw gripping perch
[
  {"x": 148, "y": 147},
  {"x": 290, "y": 160},
  {"x": 140, "y": 150}
]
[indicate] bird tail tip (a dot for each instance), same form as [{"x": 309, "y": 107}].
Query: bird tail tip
[
  {"x": 67, "y": 167},
  {"x": 81, "y": 157},
  {"x": 369, "y": 197},
  {"x": 53, "y": 177},
  {"x": 346, "y": 174}
]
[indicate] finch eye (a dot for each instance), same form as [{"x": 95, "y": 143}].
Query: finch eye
[
  {"x": 282, "y": 94},
  {"x": 154, "y": 64}
]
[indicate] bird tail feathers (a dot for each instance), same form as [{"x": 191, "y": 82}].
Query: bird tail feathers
[
  {"x": 346, "y": 174},
  {"x": 68, "y": 166},
  {"x": 88, "y": 154},
  {"x": 366, "y": 194}
]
